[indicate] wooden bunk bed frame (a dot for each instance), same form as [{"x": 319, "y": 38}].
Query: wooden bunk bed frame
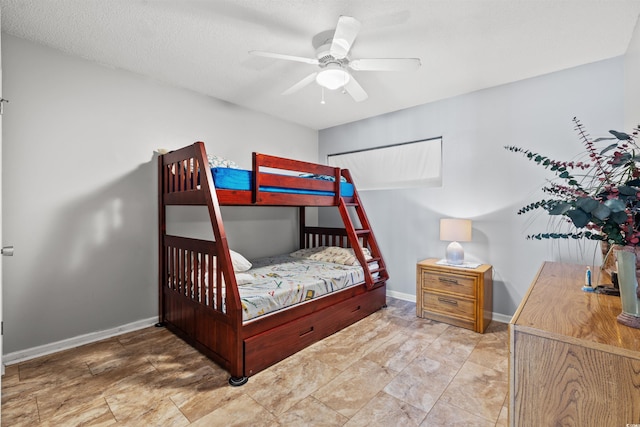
[{"x": 198, "y": 295}]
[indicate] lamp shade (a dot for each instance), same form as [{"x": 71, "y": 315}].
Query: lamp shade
[{"x": 455, "y": 230}]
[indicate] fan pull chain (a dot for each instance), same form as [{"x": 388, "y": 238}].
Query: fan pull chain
[{"x": 322, "y": 100}]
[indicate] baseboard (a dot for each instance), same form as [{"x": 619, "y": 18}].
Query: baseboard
[
  {"x": 502, "y": 318},
  {"x": 401, "y": 295},
  {"x": 43, "y": 350}
]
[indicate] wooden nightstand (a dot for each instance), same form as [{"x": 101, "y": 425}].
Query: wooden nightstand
[{"x": 455, "y": 295}]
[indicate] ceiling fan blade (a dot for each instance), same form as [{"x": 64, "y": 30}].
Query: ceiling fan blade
[
  {"x": 311, "y": 61},
  {"x": 355, "y": 90},
  {"x": 385, "y": 64},
  {"x": 302, "y": 83},
  {"x": 346, "y": 32}
]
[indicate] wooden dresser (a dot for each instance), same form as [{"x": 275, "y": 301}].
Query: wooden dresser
[
  {"x": 455, "y": 295},
  {"x": 571, "y": 362}
]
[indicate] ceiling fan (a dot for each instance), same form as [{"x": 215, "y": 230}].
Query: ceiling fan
[{"x": 332, "y": 56}]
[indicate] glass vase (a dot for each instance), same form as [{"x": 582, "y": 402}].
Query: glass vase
[{"x": 628, "y": 281}]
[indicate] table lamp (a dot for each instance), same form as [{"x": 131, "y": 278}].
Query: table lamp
[{"x": 454, "y": 231}]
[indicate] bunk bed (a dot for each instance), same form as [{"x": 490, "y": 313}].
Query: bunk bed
[{"x": 201, "y": 296}]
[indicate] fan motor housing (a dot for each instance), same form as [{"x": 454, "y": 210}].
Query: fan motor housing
[{"x": 323, "y": 53}]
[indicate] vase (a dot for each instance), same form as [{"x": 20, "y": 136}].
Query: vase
[
  {"x": 609, "y": 258},
  {"x": 628, "y": 281}
]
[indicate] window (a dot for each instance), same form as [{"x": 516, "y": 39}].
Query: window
[{"x": 404, "y": 165}]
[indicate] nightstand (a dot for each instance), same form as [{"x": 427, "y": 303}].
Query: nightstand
[{"x": 455, "y": 295}]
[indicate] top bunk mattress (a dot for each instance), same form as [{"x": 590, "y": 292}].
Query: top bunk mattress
[{"x": 240, "y": 179}]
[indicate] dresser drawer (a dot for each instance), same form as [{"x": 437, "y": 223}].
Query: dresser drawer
[
  {"x": 457, "y": 284},
  {"x": 448, "y": 304}
]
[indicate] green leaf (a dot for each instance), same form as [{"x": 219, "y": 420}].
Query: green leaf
[
  {"x": 592, "y": 236},
  {"x": 579, "y": 217},
  {"x": 602, "y": 212},
  {"x": 603, "y": 139},
  {"x": 587, "y": 204},
  {"x": 559, "y": 208},
  {"x": 634, "y": 182},
  {"x": 620, "y": 135},
  {"x": 619, "y": 217},
  {"x": 609, "y": 148},
  {"x": 627, "y": 191},
  {"x": 616, "y": 205}
]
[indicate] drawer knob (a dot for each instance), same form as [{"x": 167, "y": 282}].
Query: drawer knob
[
  {"x": 448, "y": 301},
  {"x": 448, "y": 280}
]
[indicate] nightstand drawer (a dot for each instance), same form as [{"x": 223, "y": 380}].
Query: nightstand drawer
[
  {"x": 448, "y": 304},
  {"x": 457, "y": 284},
  {"x": 455, "y": 321}
]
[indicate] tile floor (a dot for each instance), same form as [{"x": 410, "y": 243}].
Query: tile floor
[{"x": 390, "y": 369}]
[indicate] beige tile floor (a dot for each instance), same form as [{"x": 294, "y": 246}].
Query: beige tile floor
[{"x": 390, "y": 369}]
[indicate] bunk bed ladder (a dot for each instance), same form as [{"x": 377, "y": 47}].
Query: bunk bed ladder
[{"x": 362, "y": 237}]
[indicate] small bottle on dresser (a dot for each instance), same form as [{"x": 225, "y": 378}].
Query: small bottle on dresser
[{"x": 587, "y": 281}]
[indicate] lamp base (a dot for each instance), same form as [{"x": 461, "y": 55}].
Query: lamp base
[{"x": 455, "y": 253}]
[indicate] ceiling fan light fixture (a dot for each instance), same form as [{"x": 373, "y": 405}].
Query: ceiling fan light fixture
[{"x": 333, "y": 77}]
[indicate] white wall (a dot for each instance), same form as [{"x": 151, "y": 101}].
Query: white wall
[
  {"x": 481, "y": 180},
  {"x": 79, "y": 181},
  {"x": 80, "y": 192},
  {"x": 632, "y": 81}
]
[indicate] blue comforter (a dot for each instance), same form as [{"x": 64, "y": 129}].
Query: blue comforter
[{"x": 240, "y": 179}]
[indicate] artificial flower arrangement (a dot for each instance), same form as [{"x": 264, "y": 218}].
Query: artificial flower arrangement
[{"x": 599, "y": 196}]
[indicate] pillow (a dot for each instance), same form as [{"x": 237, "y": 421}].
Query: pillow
[
  {"x": 332, "y": 254},
  {"x": 244, "y": 278},
  {"x": 220, "y": 162},
  {"x": 240, "y": 263},
  {"x": 322, "y": 177}
]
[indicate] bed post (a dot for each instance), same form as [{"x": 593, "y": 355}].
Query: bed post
[
  {"x": 303, "y": 227},
  {"x": 161, "y": 232},
  {"x": 234, "y": 310}
]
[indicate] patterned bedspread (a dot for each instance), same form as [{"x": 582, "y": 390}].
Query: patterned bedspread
[{"x": 282, "y": 281}]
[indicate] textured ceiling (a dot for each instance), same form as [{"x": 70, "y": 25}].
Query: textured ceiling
[{"x": 203, "y": 45}]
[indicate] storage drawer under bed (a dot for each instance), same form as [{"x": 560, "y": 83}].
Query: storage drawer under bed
[{"x": 265, "y": 349}]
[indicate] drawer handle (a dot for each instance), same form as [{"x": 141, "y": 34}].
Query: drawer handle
[
  {"x": 356, "y": 309},
  {"x": 448, "y": 301},
  {"x": 307, "y": 332},
  {"x": 447, "y": 280}
]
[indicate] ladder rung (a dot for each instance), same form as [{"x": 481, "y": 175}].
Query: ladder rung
[
  {"x": 363, "y": 231},
  {"x": 380, "y": 279}
]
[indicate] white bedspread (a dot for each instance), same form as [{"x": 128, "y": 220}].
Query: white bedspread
[{"x": 282, "y": 281}]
